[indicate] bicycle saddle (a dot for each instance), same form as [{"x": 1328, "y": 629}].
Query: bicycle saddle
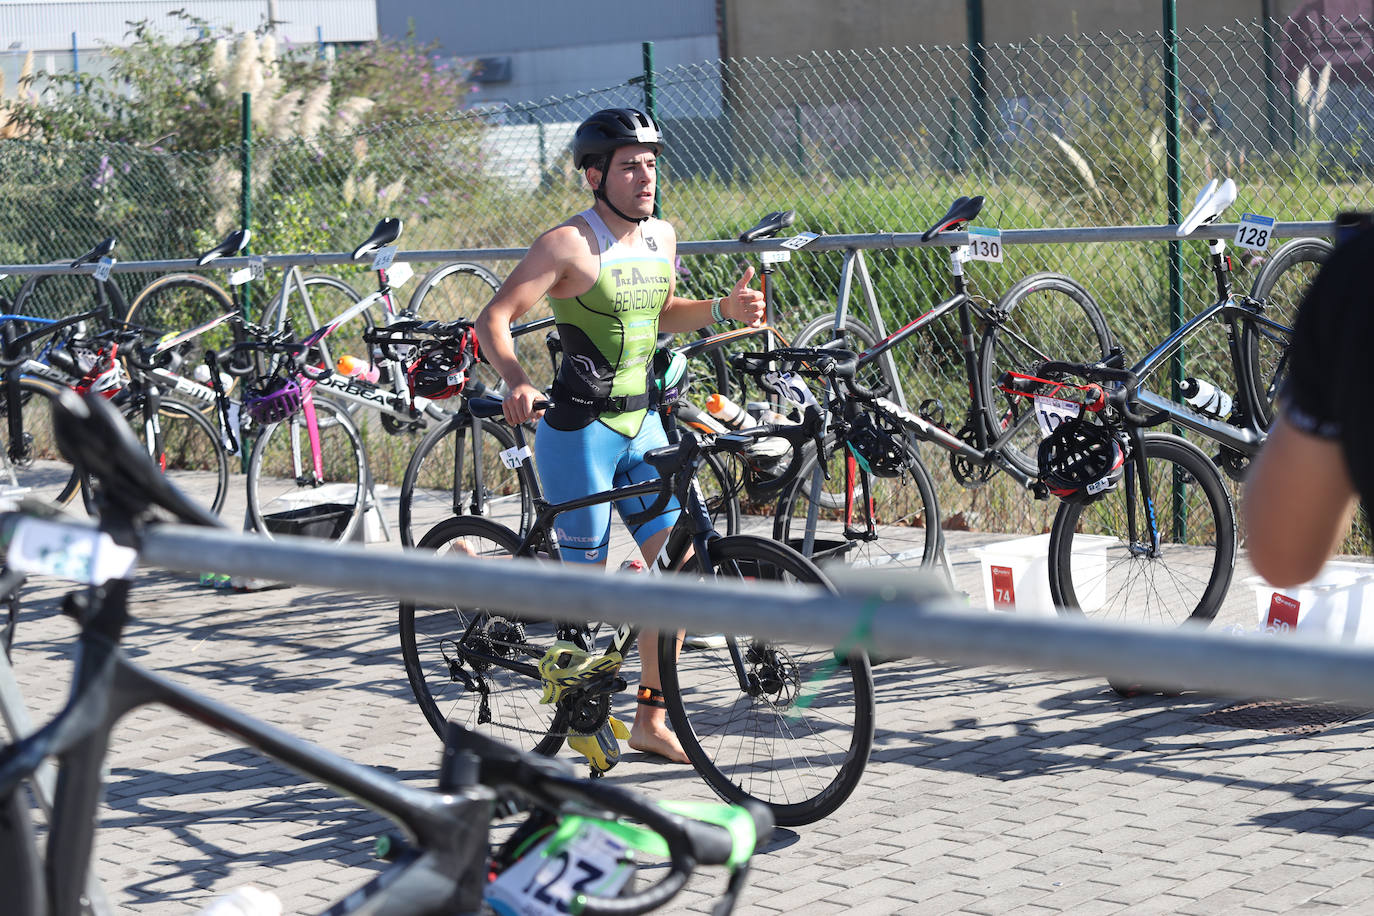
[
  {"x": 769, "y": 226},
  {"x": 387, "y": 231},
  {"x": 96, "y": 253},
  {"x": 1210, "y": 203},
  {"x": 233, "y": 243},
  {"x": 961, "y": 211}
]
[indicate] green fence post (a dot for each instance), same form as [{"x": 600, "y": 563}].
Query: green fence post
[
  {"x": 246, "y": 171},
  {"x": 977, "y": 75},
  {"x": 1173, "y": 190},
  {"x": 651, "y": 106}
]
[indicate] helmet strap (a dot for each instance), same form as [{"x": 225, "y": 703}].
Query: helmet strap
[{"x": 600, "y": 194}]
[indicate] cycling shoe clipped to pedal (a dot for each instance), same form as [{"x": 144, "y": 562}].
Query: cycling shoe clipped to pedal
[
  {"x": 602, "y": 749},
  {"x": 567, "y": 666}
]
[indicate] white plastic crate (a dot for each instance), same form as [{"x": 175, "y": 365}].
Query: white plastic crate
[
  {"x": 1337, "y": 605},
  {"x": 1016, "y": 573}
]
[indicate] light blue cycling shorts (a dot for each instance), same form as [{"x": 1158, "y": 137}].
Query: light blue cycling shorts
[{"x": 595, "y": 458}]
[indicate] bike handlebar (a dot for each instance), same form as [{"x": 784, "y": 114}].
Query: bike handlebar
[{"x": 1119, "y": 396}]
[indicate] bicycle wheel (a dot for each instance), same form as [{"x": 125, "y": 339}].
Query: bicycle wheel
[
  {"x": 55, "y": 296},
  {"x": 1042, "y": 317},
  {"x": 1280, "y": 286},
  {"x": 858, "y": 337},
  {"x": 440, "y": 479},
  {"x": 447, "y": 652},
  {"x": 453, "y": 291},
  {"x": 36, "y": 463},
  {"x": 21, "y": 868},
  {"x": 798, "y": 736},
  {"x": 721, "y": 479},
  {"x": 179, "y": 302},
  {"x": 1100, "y": 560},
  {"x": 284, "y": 494},
  {"x": 192, "y": 457},
  {"x": 904, "y": 510}
]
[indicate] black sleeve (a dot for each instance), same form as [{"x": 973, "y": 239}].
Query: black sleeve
[{"x": 1329, "y": 358}]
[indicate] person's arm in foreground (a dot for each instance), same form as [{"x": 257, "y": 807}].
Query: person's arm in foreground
[{"x": 1298, "y": 504}]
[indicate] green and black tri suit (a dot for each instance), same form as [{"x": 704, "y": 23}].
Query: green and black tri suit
[{"x": 595, "y": 436}]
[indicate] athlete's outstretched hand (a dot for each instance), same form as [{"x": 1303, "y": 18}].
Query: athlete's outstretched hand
[{"x": 744, "y": 305}]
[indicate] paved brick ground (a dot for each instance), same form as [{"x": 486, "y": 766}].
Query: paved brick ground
[{"x": 990, "y": 791}]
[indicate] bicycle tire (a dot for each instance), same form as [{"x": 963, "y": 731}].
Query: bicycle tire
[
  {"x": 43, "y": 469},
  {"x": 812, "y": 706},
  {"x": 1280, "y": 285},
  {"x": 329, "y": 297},
  {"x": 459, "y": 289},
  {"x": 907, "y": 537},
  {"x": 429, "y": 489},
  {"x": 21, "y": 868},
  {"x": 192, "y": 453},
  {"x": 1187, "y": 582},
  {"x": 451, "y": 291},
  {"x": 55, "y": 296},
  {"x": 1018, "y": 338},
  {"x": 283, "y": 498},
  {"x": 179, "y": 302},
  {"x": 858, "y": 337},
  {"x": 721, "y": 480},
  {"x": 443, "y": 679}
]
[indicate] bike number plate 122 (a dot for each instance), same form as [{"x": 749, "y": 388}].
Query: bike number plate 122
[{"x": 544, "y": 882}]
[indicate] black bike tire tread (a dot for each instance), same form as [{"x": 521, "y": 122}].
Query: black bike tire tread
[
  {"x": 1205, "y": 473},
  {"x": 1028, "y": 464},
  {"x": 442, "y": 533},
  {"x": 255, "y": 469},
  {"x": 822, "y": 805},
  {"x": 428, "y": 443}
]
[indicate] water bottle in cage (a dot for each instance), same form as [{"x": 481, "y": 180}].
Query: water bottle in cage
[{"x": 1205, "y": 397}]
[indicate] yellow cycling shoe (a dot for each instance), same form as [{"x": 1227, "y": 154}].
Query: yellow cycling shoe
[
  {"x": 602, "y": 750},
  {"x": 567, "y": 666}
]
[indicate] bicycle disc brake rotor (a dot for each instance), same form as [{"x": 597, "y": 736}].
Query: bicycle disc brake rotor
[
  {"x": 498, "y": 637},
  {"x": 773, "y": 675},
  {"x": 967, "y": 473}
]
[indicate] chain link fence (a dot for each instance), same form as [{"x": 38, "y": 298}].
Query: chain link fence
[{"x": 1060, "y": 132}]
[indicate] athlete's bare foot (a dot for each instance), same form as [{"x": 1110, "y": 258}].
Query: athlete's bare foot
[{"x": 654, "y": 736}]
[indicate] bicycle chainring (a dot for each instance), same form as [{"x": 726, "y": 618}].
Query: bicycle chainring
[
  {"x": 968, "y": 474},
  {"x": 396, "y": 426},
  {"x": 1233, "y": 463},
  {"x": 588, "y": 712}
]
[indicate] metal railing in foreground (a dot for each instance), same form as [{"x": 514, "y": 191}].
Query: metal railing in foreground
[{"x": 909, "y": 616}]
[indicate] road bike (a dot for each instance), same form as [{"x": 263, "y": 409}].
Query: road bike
[
  {"x": 440, "y": 859},
  {"x": 788, "y": 725},
  {"x": 1170, "y": 558},
  {"x": 1041, "y": 317}
]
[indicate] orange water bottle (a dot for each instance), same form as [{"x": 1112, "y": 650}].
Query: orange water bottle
[
  {"x": 353, "y": 367},
  {"x": 727, "y": 411}
]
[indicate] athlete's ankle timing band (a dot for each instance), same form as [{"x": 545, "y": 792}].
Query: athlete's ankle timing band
[{"x": 648, "y": 696}]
